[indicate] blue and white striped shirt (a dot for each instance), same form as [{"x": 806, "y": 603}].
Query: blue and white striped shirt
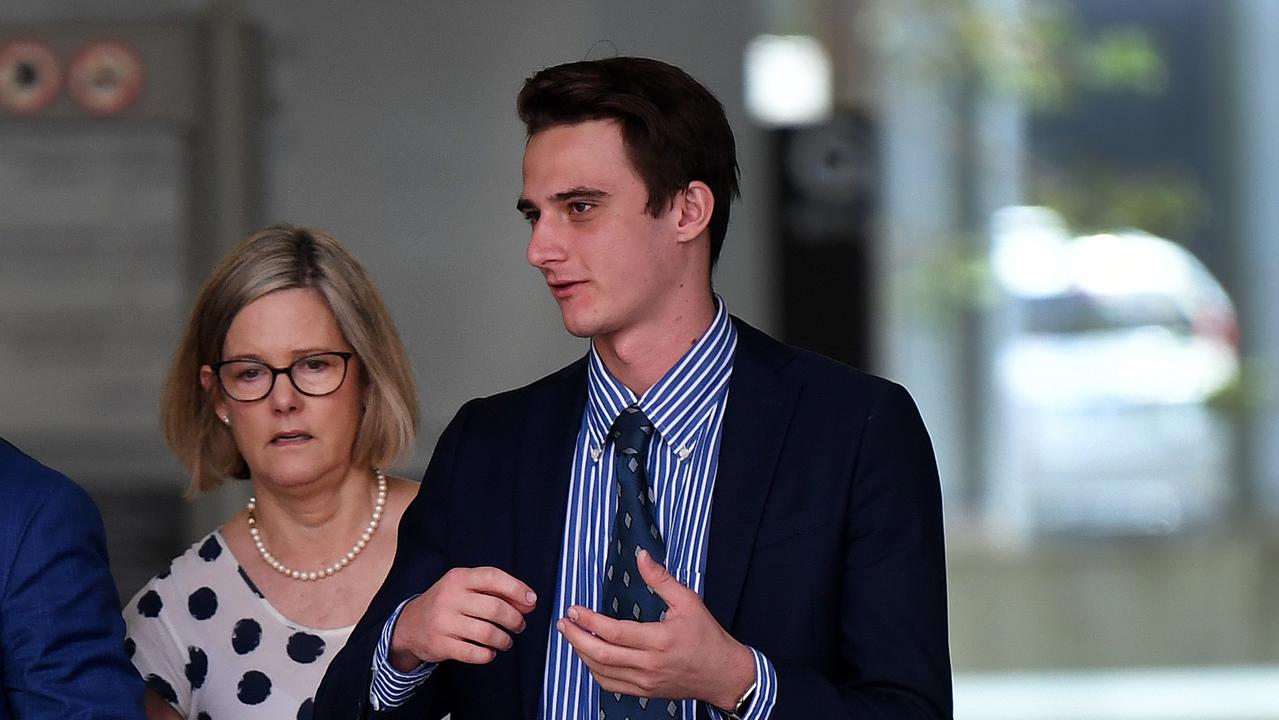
[{"x": 686, "y": 408}]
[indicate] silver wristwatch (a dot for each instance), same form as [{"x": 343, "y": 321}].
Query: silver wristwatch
[{"x": 742, "y": 705}]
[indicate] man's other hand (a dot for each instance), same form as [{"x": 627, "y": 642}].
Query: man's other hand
[{"x": 686, "y": 655}]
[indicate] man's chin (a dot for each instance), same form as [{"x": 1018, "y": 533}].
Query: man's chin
[
  {"x": 577, "y": 330},
  {"x": 579, "y": 327}
]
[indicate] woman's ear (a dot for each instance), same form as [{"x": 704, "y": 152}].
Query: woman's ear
[
  {"x": 209, "y": 383},
  {"x": 693, "y": 207}
]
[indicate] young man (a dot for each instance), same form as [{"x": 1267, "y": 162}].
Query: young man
[{"x": 694, "y": 520}]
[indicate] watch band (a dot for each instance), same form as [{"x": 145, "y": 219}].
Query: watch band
[{"x": 743, "y": 704}]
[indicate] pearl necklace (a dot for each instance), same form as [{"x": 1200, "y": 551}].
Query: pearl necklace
[{"x": 283, "y": 569}]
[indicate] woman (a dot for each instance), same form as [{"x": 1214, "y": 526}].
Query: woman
[{"x": 290, "y": 374}]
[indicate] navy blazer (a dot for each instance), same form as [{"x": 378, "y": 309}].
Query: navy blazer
[
  {"x": 61, "y": 633},
  {"x": 825, "y": 549}
]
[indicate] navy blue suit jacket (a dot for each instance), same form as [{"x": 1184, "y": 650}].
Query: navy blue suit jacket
[
  {"x": 825, "y": 549},
  {"x": 61, "y": 634}
]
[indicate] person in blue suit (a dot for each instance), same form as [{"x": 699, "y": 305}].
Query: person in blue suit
[
  {"x": 62, "y": 652},
  {"x": 692, "y": 521}
]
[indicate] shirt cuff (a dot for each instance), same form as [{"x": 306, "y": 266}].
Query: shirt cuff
[
  {"x": 390, "y": 687},
  {"x": 761, "y": 706}
]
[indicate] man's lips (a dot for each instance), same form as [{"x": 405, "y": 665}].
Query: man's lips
[{"x": 563, "y": 288}]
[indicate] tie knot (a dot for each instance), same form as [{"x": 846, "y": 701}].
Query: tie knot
[{"x": 631, "y": 430}]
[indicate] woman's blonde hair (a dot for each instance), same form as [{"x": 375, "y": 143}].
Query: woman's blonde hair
[{"x": 282, "y": 257}]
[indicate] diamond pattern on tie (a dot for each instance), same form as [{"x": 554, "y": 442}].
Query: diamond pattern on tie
[{"x": 634, "y": 528}]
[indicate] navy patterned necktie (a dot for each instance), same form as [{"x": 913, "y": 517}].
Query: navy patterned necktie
[{"x": 626, "y": 597}]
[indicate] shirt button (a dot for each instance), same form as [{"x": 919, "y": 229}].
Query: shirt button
[
  {"x": 595, "y": 454},
  {"x": 684, "y": 452}
]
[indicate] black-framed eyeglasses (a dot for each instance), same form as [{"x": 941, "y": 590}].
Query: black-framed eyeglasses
[{"x": 314, "y": 375}]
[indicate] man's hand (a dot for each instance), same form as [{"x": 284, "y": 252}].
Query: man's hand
[
  {"x": 686, "y": 655},
  {"x": 468, "y": 616}
]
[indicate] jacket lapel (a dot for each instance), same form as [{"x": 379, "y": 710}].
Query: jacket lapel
[
  {"x": 541, "y": 494},
  {"x": 756, "y": 419}
]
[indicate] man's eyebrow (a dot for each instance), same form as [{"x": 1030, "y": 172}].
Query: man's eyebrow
[
  {"x": 588, "y": 193},
  {"x": 580, "y": 192}
]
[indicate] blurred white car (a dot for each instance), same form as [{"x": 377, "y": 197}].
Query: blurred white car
[{"x": 1117, "y": 342}]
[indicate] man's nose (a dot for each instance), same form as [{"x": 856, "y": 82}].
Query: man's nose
[{"x": 544, "y": 244}]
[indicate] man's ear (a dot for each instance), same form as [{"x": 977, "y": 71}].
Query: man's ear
[
  {"x": 208, "y": 382},
  {"x": 693, "y": 207}
]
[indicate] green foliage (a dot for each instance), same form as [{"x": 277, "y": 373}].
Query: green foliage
[
  {"x": 1046, "y": 59},
  {"x": 1124, "y": 59},
  {"x": 1094, "y": 197}
]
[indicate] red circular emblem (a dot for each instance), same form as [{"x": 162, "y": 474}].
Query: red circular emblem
[
  {"x": 30, "y": 76},
  {"x": 105, "y": 77}
]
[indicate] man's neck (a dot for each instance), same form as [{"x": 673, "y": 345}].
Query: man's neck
[{"x": 639, "y": 356}]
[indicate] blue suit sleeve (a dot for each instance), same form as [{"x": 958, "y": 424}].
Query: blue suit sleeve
[{"x": 60, "y": 625}]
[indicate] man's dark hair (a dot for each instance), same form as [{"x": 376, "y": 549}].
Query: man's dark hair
[{"x": 673, "y": 128}]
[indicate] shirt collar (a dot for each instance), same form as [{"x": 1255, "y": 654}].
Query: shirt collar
[{"x": 678, "y": 402}]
